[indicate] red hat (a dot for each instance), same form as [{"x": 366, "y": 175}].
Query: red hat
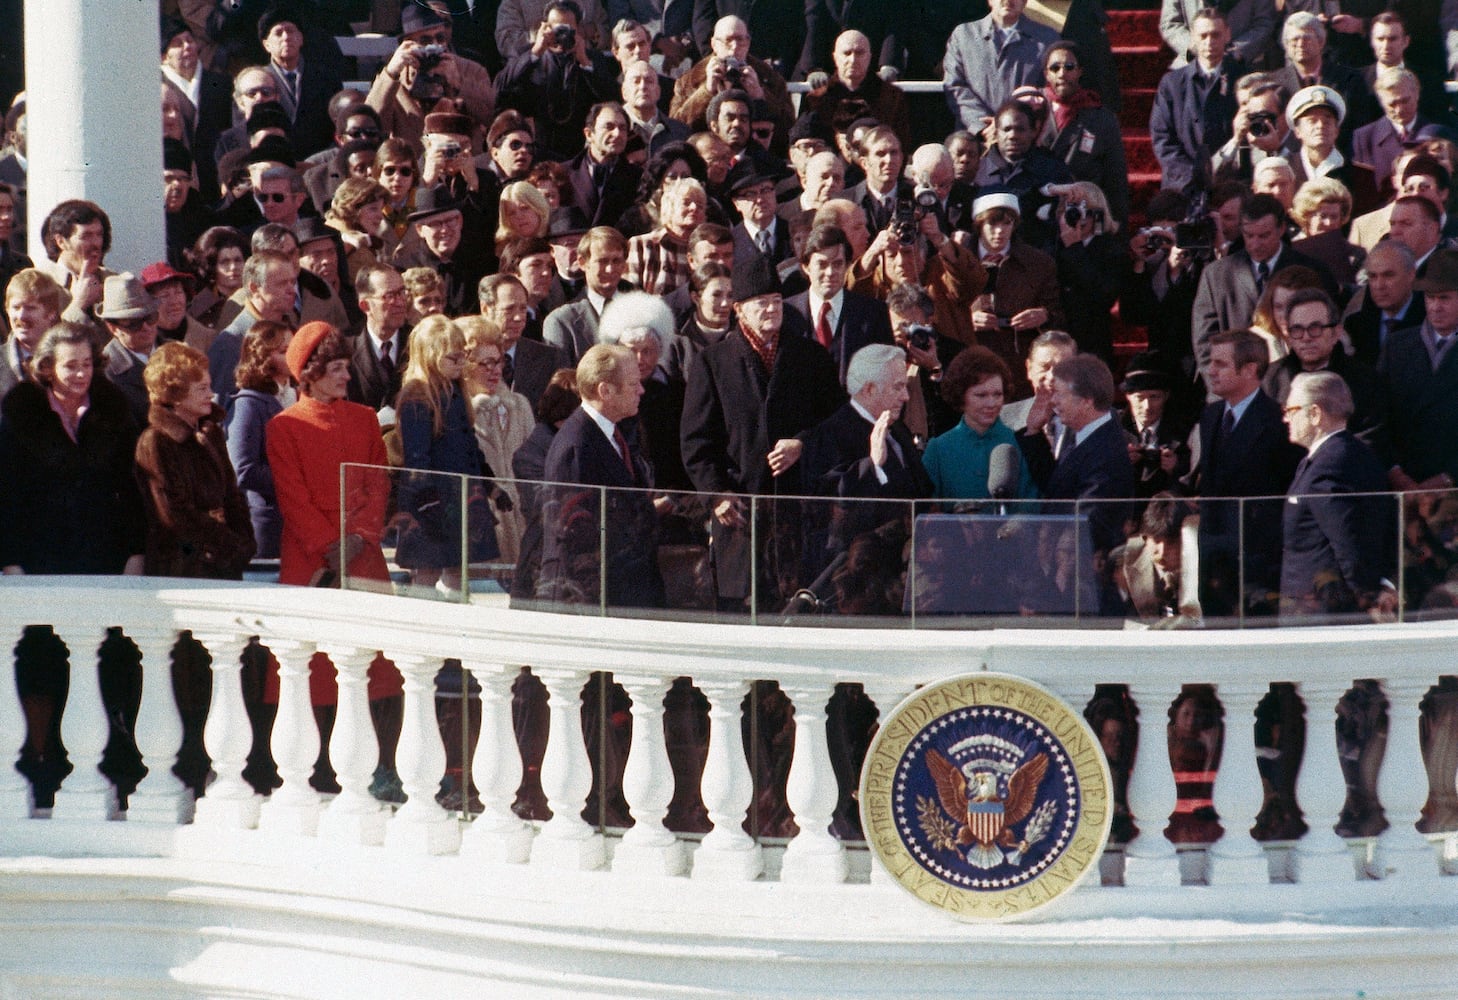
[
  {"x": 162, "y": 272},
  {"x": 301, "y": 348}
]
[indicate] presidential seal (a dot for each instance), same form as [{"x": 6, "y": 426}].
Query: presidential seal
[{"x": 986, "y": 796}]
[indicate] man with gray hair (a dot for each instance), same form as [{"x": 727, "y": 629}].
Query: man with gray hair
[
  {"x": 1339, "y": 527},
  {"x": 1387, "y": 301},
  {"x": 1303, "y": 37},
  {"x": 931, "y": 169}
]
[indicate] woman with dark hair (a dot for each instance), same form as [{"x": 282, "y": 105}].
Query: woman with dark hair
[
  {"x": 674, "y": 161},
  {"x": 529, "y": 463},
  {"x": 358, "y": 213},
  {"x": 959, "y": 460},
  {"x": 397, "y": 171},
  {"x": 550, "y": 178},
  {"x": 217, "y": 259},
  {"x": 11, "y": 263},
  {"x": 263, "y": 382},
  {"x": 711, "y": 289}
]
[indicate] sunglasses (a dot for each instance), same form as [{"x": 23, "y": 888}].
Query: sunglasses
[
  {"x": 133, "y": 325},
  {"x": 362, "y": 133},
  {"x": 277, "y": 197},
  {"x": 515, "y": 145},
  {"x": 403, "y": 171}
]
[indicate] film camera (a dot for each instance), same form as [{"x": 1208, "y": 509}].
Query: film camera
[
  {"x": 734, "y": 72},
  {"x": 1076, "y": 211},
  {"x": 564, "y": 36},
  {"x": 910, "y": 211},
  {"x": 921, "y": 336},
  {"x": 429, "y": 85},
  {"x": 1261, "y": 124}
]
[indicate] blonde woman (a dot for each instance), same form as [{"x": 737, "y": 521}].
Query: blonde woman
[
  {"x": 434, "y": 421},
  {"x": 503, "y": 420},
  {"x": 524, "y": 213}
]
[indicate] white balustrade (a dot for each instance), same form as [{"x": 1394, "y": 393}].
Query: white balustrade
[
  {"x": 1402, "y": 852},
  {"x": 230, "y": 803},
  {"x": 887, "y": 693},
  {"x": 15, "y": 797},
  {"x": 421, "y": 826},
  {"x": 355, "y": 816},
  {"x": 86, "y": 793},
  {"x": 1322, "y": 856},
  {"x": 648, "y": 848},
  {"x": 161, "y": 796},
  {"x": 727, "y": 853},
  {"x": 814, "y": 855},
  {"x": 294, "y": 808},
  {"x": 566, "y": 840},
  {"x": 1237, "y": 858},
  {"x": 1150, "y": 860},
  {"x": 498, "y": 834}
]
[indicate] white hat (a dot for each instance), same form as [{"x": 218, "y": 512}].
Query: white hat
[
  {"x": 998, "y": 199},
  {"x": 1308, "y": 98}
]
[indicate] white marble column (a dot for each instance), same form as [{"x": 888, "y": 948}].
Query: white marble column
[
  {"x": 498, "y": 834},
  {"x": 421, "y": 826},
  {"x": 15, "y": 797},
  {"x": 727, "y": 853},
  {"x": 161, "y": 796},
  {"x": 648, "y": 848},
  {"x": 1150, "y": 860},
  {"x": 1237, "y": 858},
  {"x": 814, "y": 855},
  {"x": 86, "y": 793},
  {"x": 91, "y": 93},
  {"x": 1402, "y": 788},
  {"x": 1322, "y": 856},
  {"x": 294, "y": 808},
  {"x": 355, "y": 816},
  {"x": 229, "y": 802},
  {"x": 566, "y": 841}
]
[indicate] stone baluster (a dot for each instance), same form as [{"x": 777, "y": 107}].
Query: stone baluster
[
  {"x": 1402, "y": 787},
  {"x": 295, "y": 807},
  {"x": 15, "y": 797},
  {"x": 230, "y": 802},
  {"x": 355, "y": 816},
  {"x": 727, "y": 853},
  {"x": 887, "y": 693},
  {"x": 86, "y": 793},
  {"x": 161, "y": 796},
  {"x": 421, "y": 826},
  {"x": 498, "y": 834},
  {"x": 648, "y": 848},
  {"x": 566, "y": 840},
  {"x": 1322, "y": 856},
  {"x": 814, "y": 855},
  {"x": 1237, "y": 858},
  {"x": 1150, "y": 859}
]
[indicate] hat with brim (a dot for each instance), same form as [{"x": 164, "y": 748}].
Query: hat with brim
[
  {"x": 1147, "y": 371},
  {"x": 448, "y": 122},
  {"x": 310, "y": 228},
  {"x": 123, "y": 296},
  {"x": 744, "y": 175},
  {"x": 176, "y": 156},
  {"x": 267, "y": 114},
  {"x": 419, "y": 17},
  {"x": 567, "y": 221},
  {"x": 436, "y": 200},
  {"x": 272, "y": 149},
  {"x": 158, "y": 274},
  {"x": 1441, "y": 273},
  {"x": 1308, "y": 99},
  {"x": 277, "y": 14},
  {"x": 811, "y": 126},
  {"x": 996, "y": 199},
  {"x": 302, "y": 347},
  {"x": 171, "y": 28},
  {"x": 753, "y": 276}
]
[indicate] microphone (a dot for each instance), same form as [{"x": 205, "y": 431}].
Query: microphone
[{"x": 1002, "y": 472}]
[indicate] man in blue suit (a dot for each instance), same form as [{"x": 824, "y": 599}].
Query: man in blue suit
[
  {"x": 590, "y": 451},
  {"x": 1339, "y": 528},
  {"x": 1094, "y": 463},
  {"x": 841, "y": 321}
]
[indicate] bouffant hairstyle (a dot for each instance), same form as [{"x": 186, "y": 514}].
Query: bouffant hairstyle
[
  {"x": 43, "y": 361},
  {"x": 559, "y": 398},
  {"x": 481, "y": 331},
  {"x": 255, "y": 360},
  {"x": 171, "y": 371},
  {"x": 352, "y": 195},
  {"x": 970, "y": 367},
  {"x": 202, "y": 258}
]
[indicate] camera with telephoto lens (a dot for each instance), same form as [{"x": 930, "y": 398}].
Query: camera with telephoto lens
[
  {"x": 1156, "y": 239},
  {"x": 920, "y": 336},
  {"x": 429, "y": 85},
  {"x": 734, "y": 72},
  {"x": 904, "y": 220},
  {"x": 1261, "y": 124},
  {"x": 564, "y": 36},
  {"x": 1196, "y": 237},
  {"x": 1076, "y": 211}
]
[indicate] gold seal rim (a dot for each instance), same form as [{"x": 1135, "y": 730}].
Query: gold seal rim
[{"x": 909, "y": 719}]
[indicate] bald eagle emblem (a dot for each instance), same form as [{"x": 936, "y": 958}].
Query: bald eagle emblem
[{"x": 976, "y": 813}]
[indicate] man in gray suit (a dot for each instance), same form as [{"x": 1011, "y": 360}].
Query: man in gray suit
[
  {"x": 572, "y": 328},
  {"x": 528, "y": 365}
]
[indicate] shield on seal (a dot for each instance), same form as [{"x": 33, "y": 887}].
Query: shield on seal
[{"x": 985, "y": 820}]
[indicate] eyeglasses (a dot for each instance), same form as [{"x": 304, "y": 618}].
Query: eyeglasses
[
  {"x": 455, "y": 357},
  {"x": 767, "y": 132},
  {"x": 1295, "y": 409},
  {"x": 133, "y": 325},
  {"x": 496, "y": 362},
  {"x": 260, "y": 92},
  {"x": 1307, "y": 332},
  {"x": 1061, "y": 67},
  {"x": 515, "y": 145},
  {"x": 392, "y": 294},
  {"x": 437, "y": 38},
  {"x": 404, "y": 170},
  {"x": 362, "y": 133},
  {"x": 277, "y": 197}
]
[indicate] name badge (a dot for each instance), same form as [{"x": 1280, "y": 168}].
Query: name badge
[{"x": 1086, "y": 142}]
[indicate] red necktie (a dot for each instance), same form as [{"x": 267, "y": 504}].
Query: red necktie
[
  {"x": 822, "y": 326},
  {"x": 622, "y": 444}
]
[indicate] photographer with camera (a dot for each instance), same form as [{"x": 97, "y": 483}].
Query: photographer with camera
[
  {"x": 421, "y": 72},
  {"x": 1091, "y": 260},
  {"x": 1166, "y": 258},
  {"x": 558, "y": 79},
  {"x": 1258, "y": 131},
  {"x": 1154, "y": 424},
  {"x": 729, "y": 66}
]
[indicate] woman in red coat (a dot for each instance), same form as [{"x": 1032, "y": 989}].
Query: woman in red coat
[{"x": 307, "y": 445}]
